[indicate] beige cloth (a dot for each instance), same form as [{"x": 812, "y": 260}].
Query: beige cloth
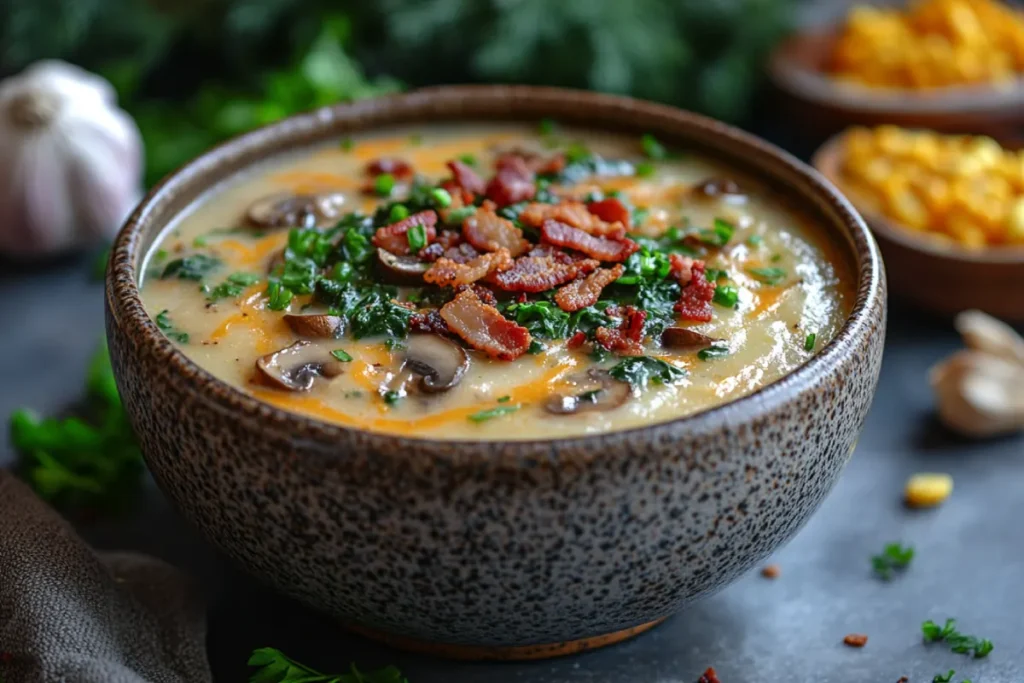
[{"x": 71, "y": 615}]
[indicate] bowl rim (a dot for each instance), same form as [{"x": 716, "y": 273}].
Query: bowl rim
[
  {"x": 509, "y": 103},
  {"x": 826, "y": 161}
]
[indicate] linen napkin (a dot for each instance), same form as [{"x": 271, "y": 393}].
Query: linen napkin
[{"x": 69, "y": 614}]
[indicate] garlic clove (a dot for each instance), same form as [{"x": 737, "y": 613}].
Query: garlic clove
[
  {"x": 979, "y": 394},
  {"x": 982, "y": 332}
]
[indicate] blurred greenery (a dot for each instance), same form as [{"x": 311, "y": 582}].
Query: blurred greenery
[{"x": 193, "y": 72}]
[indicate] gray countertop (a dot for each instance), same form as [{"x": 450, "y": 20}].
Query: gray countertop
[{"x": 969, "y": 564}]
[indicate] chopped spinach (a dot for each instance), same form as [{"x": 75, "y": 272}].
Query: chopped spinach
[
  {"x": 194, "y": 267},
  {"x": 640, "y": 371}
]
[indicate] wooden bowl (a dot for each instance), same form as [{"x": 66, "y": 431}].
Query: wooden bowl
[
  {"x": 936, "y": 275},
  {"x": 816, "y": 100},
  {"x": 496, "y": 549}
]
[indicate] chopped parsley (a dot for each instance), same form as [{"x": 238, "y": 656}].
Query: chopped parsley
[
  {"x": 715, "y": 274},
  {"x": 194, "y": 267},
  {"x": 468, "y": 159},
  {"x": 769, "y": 276},
  {"x": 278, "y": 296},
  {"x": 894, "y": 556},
  {"x": 645, "y": 169},
  {"x": 417, "y": 237},
  {"x": 492, "y": 413},
  {"x": 163, "y": 321},
  {"x": 199, "y": 242},
  {"x": 714, "y": 351},
  {"x": 727, "y": 296},
  {"x": 276, "y": 667},
  {"x": 718, "y": 235},
  {"x": 945, "y": 678},
  {"x": 639, "y": 371},
  {"x": 341, "y": 355},
  {"x": 384, "y": 184},
  {"x": 809, "y": 341},
  {"x": 653, "y": 149},
  {"x": 958, "y": 642},
  {"x": 233, "y": 286}
]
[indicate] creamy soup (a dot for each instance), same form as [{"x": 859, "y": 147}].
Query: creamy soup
[{"x": 496, "y": 282}]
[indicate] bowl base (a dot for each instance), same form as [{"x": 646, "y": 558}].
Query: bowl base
[{"x": 501, "y": 653}]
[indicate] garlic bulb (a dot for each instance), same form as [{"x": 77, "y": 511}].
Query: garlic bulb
[
  {"x": 72, "y": 160},
  {"x": 980, "y": 391}
]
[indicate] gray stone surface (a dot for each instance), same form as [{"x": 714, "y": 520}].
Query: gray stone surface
[{"x": 970, "y": 561}]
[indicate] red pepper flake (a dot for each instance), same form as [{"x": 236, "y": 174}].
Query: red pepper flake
[
  {"x": 600, "y": 248},
  {"x": 393, "y": 237},
  {"x": 512, "y": 183},
  {"x": 396, "y": 167},
  {"x": 855, "y": 640},
  {"x": 695, "y": 299},
  {"x": 709, "y": 676},
  {"x": 770, "y": 571}
]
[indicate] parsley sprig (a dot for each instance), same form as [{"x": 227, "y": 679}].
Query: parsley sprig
[
  {"x": 958, "y": 642},
  {"x": 277, "y": 667},
  {"x": 894, "y": 556}
]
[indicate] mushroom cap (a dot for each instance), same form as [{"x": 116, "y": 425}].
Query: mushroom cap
[
  {"x": 685, "y": 338},
  {"x": 320, "y": 325},
  {"x": 401, "y": 268},
  {"x": 286, "y": 210},
  {"x": 439, "y": 361},
  {"x": 596, "y": 390},
  {"x": 296, "y": 367}
]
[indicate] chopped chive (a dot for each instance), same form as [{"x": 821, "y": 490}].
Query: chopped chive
[
  {"x": 644, "y": 169},
  {"x": 652, "y": 148},
  {"x": 776, "y": 258},
  {"x": 160, "y": 255},
  {"x": 727, "y": 296},
  {"x": 398, "y": 212},
  {"x": 712, "y": 352},
  {"x": 163, "y": 321},
  {"x": 278, "y": 296},
  {"x": 546, "y": 126},
  {"x": 809, "y": 342},
  {"x": 504, "y": 399},
  {"x": 485, "y": 415},
  {"x": 457, "y": 216},
  {"x": 392, "y": 397},
  {"x": 341, "y": 355},
  {"x": 715, "y": 274},
  {"x": 769, "y": 276},
  {"x": 199, "y": 242},
  {"x": 346, "y": 144},
  {"x": 417, "y": 236},
  {"x": 577, "y": 152},
  {"x": 384, "y": 184},
  {"x": 441, "y": 197},
  {"x": 467, "y": 159}
]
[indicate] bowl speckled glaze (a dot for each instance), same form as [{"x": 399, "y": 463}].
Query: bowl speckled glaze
[{"x": 496, "y": 549}]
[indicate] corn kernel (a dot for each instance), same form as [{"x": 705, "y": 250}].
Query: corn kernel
[{"x": 927, "y": 489}]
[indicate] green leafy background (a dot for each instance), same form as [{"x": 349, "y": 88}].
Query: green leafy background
[{"x": 193, "y": 72}]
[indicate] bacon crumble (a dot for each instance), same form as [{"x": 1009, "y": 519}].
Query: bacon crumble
[
  {"x": 695, "y": 299},
  {"x": 396, "y": 167},
  {"x": 535, "y": 274},
  {"x": 512, "y": 183},
  {"x": 445, "y": 272},
  {"x": 585, "y": 292},
  {"x": 487, "y": 231},
  {"x": 484, "y": 327},
  {"x": 465, "y": 178},
  {"x": 393, "y": 237},
  {"x": 575, "y": 214},
  {"x": 600, "y": 248},
  {"x": 610, "y": 210},
  {"x": 627, "y": 339}
]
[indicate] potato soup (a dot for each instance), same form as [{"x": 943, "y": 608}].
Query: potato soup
[{"x": 496, "y": 282}]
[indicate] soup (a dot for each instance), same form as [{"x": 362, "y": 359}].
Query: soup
[{"x": 496, "y": 282}]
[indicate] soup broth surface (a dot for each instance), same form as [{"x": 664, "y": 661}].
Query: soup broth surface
[{"x": 781, "y": 289}]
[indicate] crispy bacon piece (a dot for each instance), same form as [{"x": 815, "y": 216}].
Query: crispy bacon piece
[
  {"x": 431, "y": 322},
  {"x": 484, "y": 328},
  {"x": 682, "y": 267},
  {"x": 540, "y": 273},
  {"x": 695, "y": 300},
  {"x": 627, "y": 339},
  {"x": 431, "y": 252},
  {"x": 534, "y": 161},
  {"x": 461, "y": 253},
  {"x": 393, "y": 237},
  {"x": 512, "y": 182},
  {"x": 600, "y": 248},
  {"x": 486, "y": 295},
  {"x": 487, "y": 231},
  {"x": 446, "y": 240},
  {"x": 586, "y": 291},
  {"x": 574, "y": 214},
  {"x": 466, "y": 178},
  {"x": 610, "y": 210},
  {"x": 396, "y": 167},
  {"x": 445, "y": 272}
]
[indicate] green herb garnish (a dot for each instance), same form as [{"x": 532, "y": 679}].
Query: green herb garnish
[
  {"x": 639, "y": 371},
  {"x": 715, "y": 274},
  {"x": 467, "y": 159},
  {"x": 504, "y": 399},
  {"x": 233, "y": 286},
  {"x": 384, "y": 184},
  {"x": 944, "y": 678},
  {"x": 442, "y": 199},
  {"x": 417, "y": 237},
  {"x": 278, "y": 296},
  {"x": 958, "y": 642},
  {"x": 346, "y": 144},
  {"x": 809, "y": 341},
  {"x": 415, "y": 139},
  {"x": 714, "y": 351},
  {"x": 645, "y": 169},
  {"x": 653, "y": 149},
  {"x": 755, "y": 240},
  {"x": 776, "y": 258},
  {"x": 398, "y": 212},
  {"x": 546, "y": 127},
  {"x": 456, "y": 217},
  {"x": 276, "y": 667},
  {"x": 718, "y": 235},
  {"x": 163, "y": 321},
  {"x": 893, "y": 557},
  {"x": 492, "y": 413},
  {"x": 199, "y": 242},
  {"x": 727, "y": 296},
  {"x": 341, "y": 355},
  {"x": 77, "y": 462},
  {"x": 392, "y": 397},
  {"x": 769, "y": 276},
  {"x": 194, "y": 267}
]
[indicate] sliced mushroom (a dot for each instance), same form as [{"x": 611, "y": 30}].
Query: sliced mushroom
[
  {"x": 296, "y": 367},
  {"x": 596, "y": 390},
  {"x": 284, "y": 210},
  {"x": 319, "y": 325},
  {"x": 717, "y": 187},
  {"x": 440, "y": 362},
  {"x": 684, "y": 338},
  {"x": 401, "y": 268}
]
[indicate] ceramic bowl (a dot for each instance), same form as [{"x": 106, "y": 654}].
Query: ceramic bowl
[
  {"x": 496, "y": 549},
  {"x": 934, "y": 275},
  {"x": 825, "y": 105}
]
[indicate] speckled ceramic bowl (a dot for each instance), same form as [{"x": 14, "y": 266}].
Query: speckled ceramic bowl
[{"x": 496, "y": 549}]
